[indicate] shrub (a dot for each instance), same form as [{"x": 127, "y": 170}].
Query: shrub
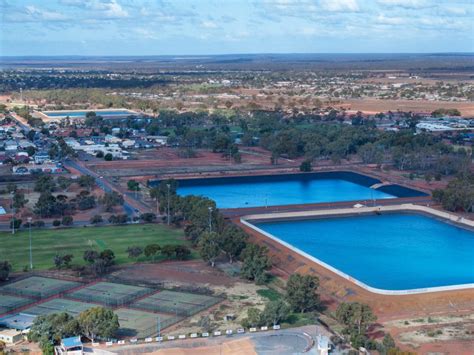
[{"x": 67, "y": 221}]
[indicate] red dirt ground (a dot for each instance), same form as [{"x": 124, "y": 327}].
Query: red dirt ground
[{"x": 193, "y": 272}]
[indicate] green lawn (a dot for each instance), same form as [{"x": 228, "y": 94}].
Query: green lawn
[{"x": 49, "y": 242}]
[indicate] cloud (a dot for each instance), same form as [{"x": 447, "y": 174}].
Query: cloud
[
  {"x": 454, "y": 10},
  {"x": 42, "y": 14},
  {"x": 209, "y": 24},
  {"x": 340, "y": 5},
  {"x": 384, "y": 20},
  {"x": 109, "y": 9},
  {"x": 146, "y": 33},
  {"x": 406, "y": 4}
]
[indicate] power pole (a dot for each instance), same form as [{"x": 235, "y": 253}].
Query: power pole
[
  {"x": 31, "y": 250},
  {"x": 168, "y": 208},
  {"x": 13, "y": 211},
  {"x": 159, "y": 326}
]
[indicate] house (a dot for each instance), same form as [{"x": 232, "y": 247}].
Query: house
[
  {"x": 10, "y": 336},
  {"x": 11, "y": 145},
  {"x": 41, "y": 157},
  {"x": 70, "y": 346}
]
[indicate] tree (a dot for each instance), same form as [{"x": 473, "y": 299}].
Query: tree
[
  {"x": 98, "y": 322},
  {"x": 388, "y": 342},
  {"x": 5, "y": 268},
  {"x": 19, "y": 200},
  {"x": 16, "y": 223},
  {"x": 67, "y": 221},
  {"x": 48, "y": 330},
  {"x": 151, "y": 250},
  {"x": 356, "y": 317},
  {"x": 370, "y": 154},
  {"x": 96, "y": 219},
  {"x": 45, "y": 183},
  {"x": 99, "y": 267},
  {"x": 90, "y": 256},
  {"x": 254, "y": 318},
  {"x": 11, "y": 187},
  {"x": 301, "y": 292},
  {"x": 148, "y": 217},
  {"x": 182, "y": 252},
  {"x": 306, "y": 166},
  {"x": 275, "y": 312},
  {"x": 111, "y": 199},
  {"x": 209, "y": 247},
  {"x": 108, "y": 256},
  {"x": 458, "y": 195},
  {"x": 118, "y": 219},
  {"x": 255, "y": 262},
  {"x": 168, "y": 250},
  {"x": 108, "y": 157},
  {"x": 134, "y": 252},
  {"x": 232, "y": 241},
  {"x": 61, "y": 260},
  {"x": 133, "y": 185},
  {"x": 86, "y": 181}
]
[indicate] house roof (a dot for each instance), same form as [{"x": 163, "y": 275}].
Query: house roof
[
  {"x": 71, "y": 342},
  {"x": 20, "y": 321}
]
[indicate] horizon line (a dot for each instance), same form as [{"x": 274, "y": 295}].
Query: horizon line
[{"x": 229, "y": 54}]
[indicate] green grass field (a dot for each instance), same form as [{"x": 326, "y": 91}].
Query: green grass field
[{"x": 47, "y": 243}]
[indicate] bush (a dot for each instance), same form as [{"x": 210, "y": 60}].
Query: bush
[
  {"x": 96, "y": 219},
  {"x": 56, "y": 223},
  {"x": 38, "y": 224},
  {"x": 17, "y": 223},
  {"x": 306, "y": 166},
  {"x": 108, "y": 157},
  {"x": 67, "y": 221},
  {"x": 148, "y": 217}
]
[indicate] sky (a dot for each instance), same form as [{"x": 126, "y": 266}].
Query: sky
[{"x": 199, "y": 27}]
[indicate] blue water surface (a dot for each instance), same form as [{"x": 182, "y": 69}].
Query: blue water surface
[
  {"x": 274, "y": 193},
  {"x": 83, "y": 113},
  {"x": 390, "y": 251}
]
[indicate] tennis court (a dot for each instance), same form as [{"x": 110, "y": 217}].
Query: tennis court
[
  {"x": 109, "y": 294},
  {"x": 140, "y": 324},
  {"x": 177, "y": 303},
  {"x": 38, "y": 287},
  {"x": 58, "y": 305},
  {"x": 9, "y": 303}
]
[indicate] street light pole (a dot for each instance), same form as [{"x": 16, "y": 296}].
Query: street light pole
[
  {"x": 210, "y": 219},
  {"x": 13, "y": 211},
  {"x": 31, "y": 251},
  {"x": 168, "y": 212}
]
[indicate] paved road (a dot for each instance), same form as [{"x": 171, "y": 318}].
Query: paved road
[
  {"x": 287, "y": 341},
  {"x": 103, "y": 183}
]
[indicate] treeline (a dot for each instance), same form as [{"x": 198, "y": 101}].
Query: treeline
[
  {"x": 458, "y": 195},
  {"x": 44, "y": 81},
  {"x": 206, "y": 228},
  {"x": 94, "y": 323}
]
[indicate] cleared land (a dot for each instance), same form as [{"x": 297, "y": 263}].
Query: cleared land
[
  {"x": 374, "y": 106},
  {"x": 48, "y": 242}
]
